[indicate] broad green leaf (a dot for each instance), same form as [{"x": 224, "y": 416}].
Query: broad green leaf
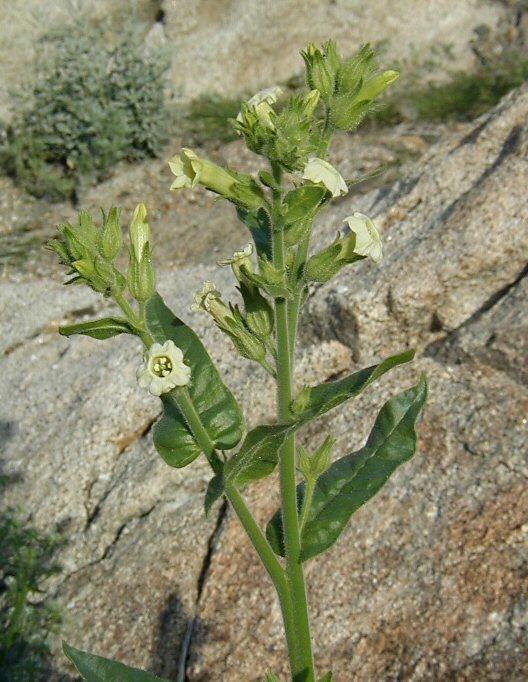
[
  {"x": 259, "y": 224},
  {"x": 354, "y": 479},
  {"x": 258, "y": 455},
  {"x": 324, "y": 397},
  {"x": 214, "y": 402},
  {"x": 99, "y": 329},
  {"x": 302, "y": 202},
  {"x": 215, "y": 490},
  {"x": 98, "y": 669}
]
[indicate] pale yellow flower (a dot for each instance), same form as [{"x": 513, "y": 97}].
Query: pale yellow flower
[
  {"x": 368, "y": 242},
  {"x": 320, "y": 172},
  {"x": 163, "y": 369}
]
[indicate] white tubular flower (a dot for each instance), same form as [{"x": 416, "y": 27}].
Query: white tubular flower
[
  {"x": 209, "y": 299},
  {"x": 163, "y": 369},
  {"x": 322, "y": 173},
  {"x": 239, "y": 260},
  {"x": 186, "y": 168},
  {"x": 261, "y": 103},
  {"x": 368, "y": 242}
]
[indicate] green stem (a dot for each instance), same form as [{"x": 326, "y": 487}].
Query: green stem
[
  {"x": 255, "y": 534},
  {"x": 271, "y": 563},
  {"x": 135, "y": 320},
  {"x": 187, "y": 408},
  {"x": 303, "y": 664}
]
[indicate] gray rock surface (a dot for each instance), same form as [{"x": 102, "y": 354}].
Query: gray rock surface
[{"x": 429, "y": 581}]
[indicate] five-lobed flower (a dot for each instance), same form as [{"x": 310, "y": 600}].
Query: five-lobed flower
[
  {"x": 367, "y": 239},
  {"x": 163, "y": 369},
  {"x": 320, "y": 172}
]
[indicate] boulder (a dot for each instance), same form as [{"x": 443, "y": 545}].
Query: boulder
[{"x": 428, "y": 582}]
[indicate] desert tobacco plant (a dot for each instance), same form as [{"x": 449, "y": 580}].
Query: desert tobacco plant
[{"x": 273, "y": 272}]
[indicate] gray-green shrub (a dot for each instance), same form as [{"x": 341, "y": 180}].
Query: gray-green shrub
[{"x": 92, "y": 104}]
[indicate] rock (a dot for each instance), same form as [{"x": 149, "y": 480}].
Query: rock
[
  {"x": 441, "y": 266},
  {"x": 76, "y": 429},
  {"x": 428, "y": 581},
  {"x": 260, "y": 40}
]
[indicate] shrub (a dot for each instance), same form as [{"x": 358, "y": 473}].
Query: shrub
[
  {"x": 26, "y": 620},
  {"x": 91, "y": 105}
]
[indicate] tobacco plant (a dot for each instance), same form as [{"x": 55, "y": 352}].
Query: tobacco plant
[{"x": 201, "y": 416}]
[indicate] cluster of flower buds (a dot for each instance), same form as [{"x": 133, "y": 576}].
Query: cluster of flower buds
[
  {"x": 190, "y": 170},
  {"x": 287, "y": 137},
  {"x": 360, "y": 240},
  {"x": 89, "y": 251},
  {"x": 348, "y": 87}
]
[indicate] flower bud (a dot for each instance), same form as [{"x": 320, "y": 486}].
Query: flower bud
[
  {"x": 302, "y": 401},
  {"x": 141, "y": 277},
  {"x": 375, "y": 86},
  {"x": 314, "y": 466},
  {"x": 311, "y": 101},
  {"x": 111, "y": 237},
  {"x": 259, "y": 313},
  {"x": 139, "y": 231},
  {"x": 319, "y": 74}
]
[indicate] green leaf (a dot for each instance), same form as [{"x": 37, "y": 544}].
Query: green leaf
[
  {"x": 215, "y": 490},
  {"x": 98, "y": 669},
  {"x": 214, "y": 402},
  {"x": 302, "y": 202},
  {"x": 354, "y": 479},
  {"x": 99, "y": 329},
  {"x": 325, "y": 397},
  {"x": 259, "y": 224},
  {"x": 259, "y": 453}
]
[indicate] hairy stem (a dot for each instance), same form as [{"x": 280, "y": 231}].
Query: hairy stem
[
  {"x": 255, "y": 534},
  {"x": 302, "y": 665}
]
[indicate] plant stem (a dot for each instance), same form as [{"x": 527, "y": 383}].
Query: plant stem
[
  {"x": 271, "y": 563},
  {"x": 303, "y": 666},
  {"x": 255, "y": 534}
]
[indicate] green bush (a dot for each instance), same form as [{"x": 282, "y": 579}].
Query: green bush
[
  {"x": 26, "y": 620},
  {"x": 91, "y": 105}
]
